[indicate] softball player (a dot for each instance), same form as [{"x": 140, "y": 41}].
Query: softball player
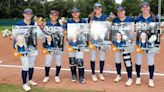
[
  {"x": 121, "y": 17},
  {"x": 97, "y": 15},
  {"x": 27, "y": 61},
  {"x": 58, "y": 54},
  {"x": 76, "y": 57},
  {"x": 146, "y": 16}
]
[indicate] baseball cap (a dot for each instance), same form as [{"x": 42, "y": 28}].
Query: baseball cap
[
  {"x": 120, "y": 8},
  {"x": 75, "y": 10},
  {"x": 27, "y": 10},
  {"x": 97, "y": 5},
  {"x": 144, "y": 3},
  {"x": 54, "y": 12}
]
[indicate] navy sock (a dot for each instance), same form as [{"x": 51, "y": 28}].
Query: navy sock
[
  {"x": 138, "y": 69},
  {"x": 31, "y": 70},
  {"x": 58, "y": 70},
  {"x": 47, "y": 69},
  {"x": 24, "y": 76},
  {"x": 73, "y": 66},
  {"x": 118, "y": 68},
  {"x": 92, "y": 66},
  {"x": 81, "y": 72},
  {"x": 101, "y": 66},
  {"x": 151, "y": 71},
  {"x": 129, "y": 71}
]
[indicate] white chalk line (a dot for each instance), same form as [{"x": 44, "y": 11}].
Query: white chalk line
[{"x": 66, "y": 69}]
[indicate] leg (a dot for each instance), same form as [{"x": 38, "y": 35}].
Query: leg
[
  {"x": 118, "y": 66},
  {"x": 138, "y": 64},
  {"x": 81, "y": 70},
  {"x": 58, "y": 62},
  {"x": 92, "y": 63},
  {"x": 25, "y": 68},
  {"x": 31, "y": 70},
  {"x": 102, "y": 60},
  {"x": 118, "y": 62},
  {"x": 48, "y": 62},
  {"x": 138, "y": 67},
  {"x": 31, "y": 66},
  {"x": 72, "y": 63},
  {"x": 150, "y": 61},
  {"x": 58, "y": 65},
  {"x": 128, "y": 65}
]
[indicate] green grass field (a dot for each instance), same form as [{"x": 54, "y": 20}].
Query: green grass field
[
  {"x": 5, "y": 27},
  {"x": 16, "y": 88}
]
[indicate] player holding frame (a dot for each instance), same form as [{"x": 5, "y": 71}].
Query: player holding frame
[
  {"x": 26, "y": 48},
  {"x": 53, "y": 45},
  {"x": 76, "y": 54},
  {"x": 145, "y": 17},
  {"x": 122, "y": 18},
  {"x": 97, "y": 15}
]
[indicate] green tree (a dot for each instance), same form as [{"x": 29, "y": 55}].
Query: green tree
[{"x": 132, "y": 7}]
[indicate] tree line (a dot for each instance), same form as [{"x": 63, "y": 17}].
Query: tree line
[{"x": 14, "y": 8}]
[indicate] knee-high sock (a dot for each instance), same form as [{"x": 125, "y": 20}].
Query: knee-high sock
[
  {"x": 73, "y": 66},
  {"x": 31, "y": 70},
  {"x": 47, "y": 69},
  {"x": 138, "y": 69},
  {"x": 58, "y": 70},
  {"x": 151, "y": 71},
  {"x": 118, "y": 68},
  {"x": 129, "y": 71},
  {"x": 92, "y": 66},
  {"x": 101, "y": 66},
  {"x": 24, "y": 76}
]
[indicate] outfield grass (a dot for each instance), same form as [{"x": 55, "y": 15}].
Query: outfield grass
[
  {"x": 16, "y": 88},
  {"x": 5, "y": 27}
]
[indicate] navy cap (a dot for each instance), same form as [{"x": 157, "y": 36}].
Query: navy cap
[
  {"x": 28, "y": 10},
  {"x": 144, "y": 3},
  {"x": 75, "y": 10},
  {"x": 120, "y": 8},
  {"x": 97, "y": 5},
  {"x": 54, "y": 12}
]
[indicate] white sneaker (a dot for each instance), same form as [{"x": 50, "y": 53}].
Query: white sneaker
[
  {"x": 129, "y": 82},
  {"x": 46, "y": 79},
  {"x": 151, "y": 83},
  {"x": 138, "y": 81},
  {"x": 101, "y": 77},
  {"x": 32, "y": 83},
  {"x": 26, "y": 87},
  {"x": 94, "y": 78},
  {"x": 57, "y": 79},
  {"x": 117, "y": 79}
]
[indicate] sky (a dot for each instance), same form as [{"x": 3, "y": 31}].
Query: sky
[{"x": 118, "y": 1}]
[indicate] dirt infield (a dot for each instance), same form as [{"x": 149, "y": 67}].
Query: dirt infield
[{"x": 12, "y": 75}]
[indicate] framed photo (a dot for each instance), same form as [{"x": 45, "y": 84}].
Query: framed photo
[
  {"x": 123, "y": 36},
  {"x": 78, "y": 36},
  {"x": 100, "y": 33},
  {"x": 53, "y": 38},
  {"x": 25, "y": 35},
  {"x": 148, "y": 37}
]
